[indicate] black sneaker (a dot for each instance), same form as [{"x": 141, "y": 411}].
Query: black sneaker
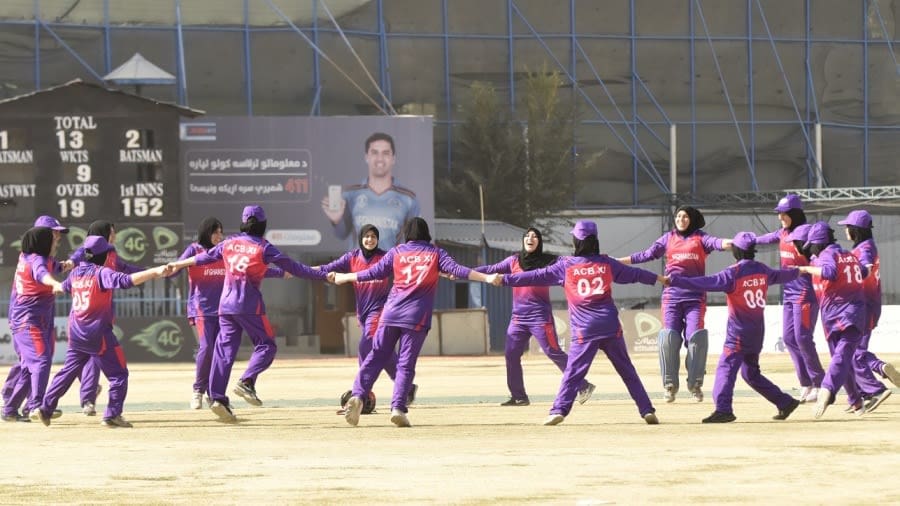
[
  {"x": 720, "y": 417},
  {"x": 411, "y": 396},
  {"x": 16, "y": 417},
  {"x": 516, "y": 402},
  {"x": 248, "y": 392},
  {"x": 786, "y": 412}
]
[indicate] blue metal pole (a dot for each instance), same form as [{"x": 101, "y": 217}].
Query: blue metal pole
[
  {"x": 248, "y": 63},
  {"x": 181, "y": 74},
  {"x": 573, "y": 62},
  {"x": 865, "y": 73},
  {"x": 511, "y": 49},
  {"x": 750, "y": 105},
  {"x": 635, "y": 195},
  {"x": 693, "y": 101},
  {"x": 810, "y": 160},
  {"x": 384, "y": 74},
  {"x": 317, "y": 79},
  {"x": 107, "y": 52},
  {"x": 445, "y": 24},
  {"x": 37, "y": 44}
]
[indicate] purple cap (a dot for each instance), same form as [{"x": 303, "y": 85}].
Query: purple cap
[
  {"x": 800, "y": 233},
  {"x": 788, "y": 202},
  {"x": 818, "y": 234},
  {"x": 50, "y": 222},
  {"x": 254, "y": 211},
  {"x": 96, "y": 245},
  {"x": 584, "y": 228},
  {"x": 744, "y": 240},
  {"x": 858, "y": 218}
]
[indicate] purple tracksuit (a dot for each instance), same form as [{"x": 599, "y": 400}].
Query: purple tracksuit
[
  {"x": 746, "y": 284},
  {"x": 867, "y": 254},
  {"x": 91, "y": 335},
  {"x": 90, "y": 374},
  {"x": 593, "y": 319},
  {"x": 406, "y": 317},
  {"x": 241, "y": 307},
  {"x": 370, "y": 298},
  {"x": 683, "y": 310},
  {"x": 532, "y": 315},
  {"x": 31, "y": 322},
  {"x": 843, "y": 313},
  {"x": 204, "y": 292},
  {"x": 799, "y": 312}
]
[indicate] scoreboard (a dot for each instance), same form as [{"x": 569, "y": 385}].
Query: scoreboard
[
  {"x": 81, "y": 152},
  {"x": 87, "y": 167}
]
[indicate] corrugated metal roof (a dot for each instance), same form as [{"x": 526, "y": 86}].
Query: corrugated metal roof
[{"x": 499, "y": 235}]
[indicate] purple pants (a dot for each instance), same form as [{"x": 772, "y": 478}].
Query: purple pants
[
  {"x": 35, "y": 345},
  {"x": 207, "y": 329},
  {"x": 798, "y": 322},
  {"x": 864, "y": 364},
  {"x": 112, "y": 364},
  {"x": 388, "y": 338},
  {"x": 231, "y": 328},
  {"x": 367, "y": 340},
  {"x": 90, "y": 379},
  {"x": 726, "y": 374},
  {"x": 684, "y": 317},
  {"x": 517, "y": 337},
  {"x": 842, "y": 344},
  {"x": 581, "y": 355}
]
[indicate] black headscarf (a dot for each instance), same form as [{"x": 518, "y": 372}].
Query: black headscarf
[
  {"x": 38, "y": 240},
  {"x": 101, "y": 227},
  {"x": 416, "y": 229},
  {"x": 368, "y": 253},
  {"x": 254, "y": 227},
  {"x": 696, "y": 217},
  {"x": 797, "y": 216},
  {"x": 537, "y": 258},
  {"x": 859, "y": 234},
  {"x": 206, "y": 230},
  {"x": 590, "y": 245}
]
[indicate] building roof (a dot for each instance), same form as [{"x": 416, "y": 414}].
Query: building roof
[
  {"x": 499, "y": 235},
  {"x": 139, "y": 70},
  {"x": 187, "y": 111}
]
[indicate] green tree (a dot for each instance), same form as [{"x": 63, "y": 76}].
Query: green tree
[{"x": 525, "y": 165}]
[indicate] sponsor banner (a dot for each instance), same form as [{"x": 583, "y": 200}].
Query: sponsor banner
[
  {"x": 310, "y": 174},
  {"x": 641, "y": 328},
  {"x": 144, "y": 244},
  {"x": 143, "y": 340}
]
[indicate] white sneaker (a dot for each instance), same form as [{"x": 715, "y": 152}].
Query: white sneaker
[
  {"x": 223, "y": 411},
  {"x": 804, "y": 393},
  {"x": 554, "y": 419},
  {"x": 671, "y": 390},
  {"x": 585, "y": 394},
  {"x": 399, "y": 419},
  {"x": 821, "y": 402},
  {"x": 697, "y": 394},
  {"x": 813, "y": 394},
  {"x": 651, "y": 419},
  {"x": 88, "y": 409},
  {"x": 890, "y": 372},
  {"x": 197, "y": 400},
  {"x": 353, "y": 410}
]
